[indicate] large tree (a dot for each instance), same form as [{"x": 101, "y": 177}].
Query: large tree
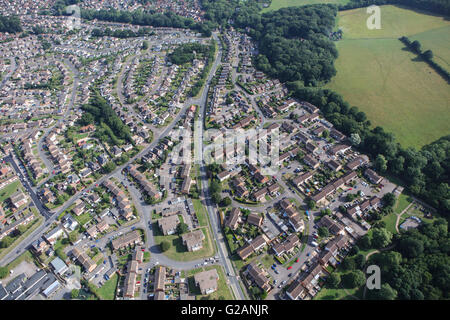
[{"x": 381, "y": 237}]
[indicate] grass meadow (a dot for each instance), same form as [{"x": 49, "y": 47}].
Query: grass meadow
[
  {"x": 278, "y": 4},
  {"x": 395, "y": 89}
]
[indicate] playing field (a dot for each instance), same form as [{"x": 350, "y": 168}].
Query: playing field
[
  {"x": 397, "y": 92},
  {"x": 278, "y": 4}
]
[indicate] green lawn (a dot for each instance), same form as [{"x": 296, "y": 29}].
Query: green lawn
[
  {"x": 223, "y": 289},
  {"x": 374, "y": 72},
  {"x": 7, "y": 191},
  {"x": 178, "y": 251},
  {"x": 267, "y": 260},
  {"x": 339, "y": 293},
  {"x": 404, "y": 96},
  {"x": 402, "y": 202},
  {"x": 390, "y": 220},
  {"x": 278, "y": 4},
  {"x": 83, "y": 218},
  {"x": 200, "y": 211},
  {"x": 108, "y": 290}
]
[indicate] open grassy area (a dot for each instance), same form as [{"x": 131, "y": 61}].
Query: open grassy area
[
  {"x": 396, "y": 21},
  {"x": 7, "y": 191},
  {"x": 200, "y": 212},
  {"x": 376, "y": 73},
  {"x": 178, "y": 251},
  {"x": 438, "y": 41},
  {"x": 267, "y": 260},
  {"x": 278, "y": 4},
  {"x": 83, "y": 218},
  {"x": 108, "y": 290},
  {"x": 222, "y": 291},
  {"x": 402, "y": 202},
  {"x": 339, "y": 294}
]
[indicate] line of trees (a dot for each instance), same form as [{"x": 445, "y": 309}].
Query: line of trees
[
  {"x": 123, "y": 34},
  {"x": 426, "y": 173},
  {"x": 437, "y": 6},
  {"x": 10, "y": 24},
  {"x": 415, "y": 46},
  {"x": 137, "y": 17}
]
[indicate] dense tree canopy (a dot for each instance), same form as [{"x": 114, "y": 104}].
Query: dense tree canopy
[
  {"x": 294, "y": 44},
  {"x": 419, "y": 268},
  {"x": 10, "y": 24},
  {"x": 186, "y": 52},
  {"x": 110, "y": 123}
]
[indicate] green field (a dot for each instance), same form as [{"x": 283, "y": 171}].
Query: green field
[
  {"x": 178, "y": 251},
  {"x": 108, "y": 290},
  {"x": 278, "y": 4},
  {"x": 438, "y": 41},
  {"x": 395, "y": 22},
  {"x": 397, "y": 92},
  {"x": 7, "y": 191}
]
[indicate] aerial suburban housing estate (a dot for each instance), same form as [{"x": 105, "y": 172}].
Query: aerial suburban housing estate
[{"x": 224, "y": 150}]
